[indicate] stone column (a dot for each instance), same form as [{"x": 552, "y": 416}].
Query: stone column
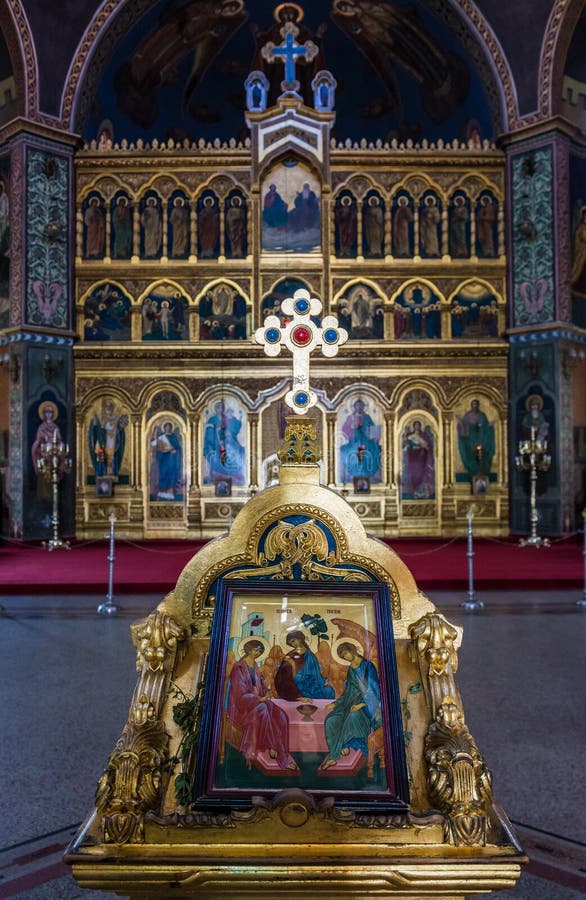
[
  {"x": 541, "y": 316},
  {"x": 40, "y": 340}
]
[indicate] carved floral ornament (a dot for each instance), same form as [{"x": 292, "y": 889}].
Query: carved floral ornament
[{"x": 458, "y": 780}]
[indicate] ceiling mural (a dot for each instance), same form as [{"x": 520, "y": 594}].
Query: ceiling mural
[{"x": 179, "y": 71}]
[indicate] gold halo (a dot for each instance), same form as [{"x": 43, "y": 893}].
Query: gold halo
[
  {"x": 345, "y": 640},
  {"x": 53, "y": 407},
  {"x": 254, "y": 637},
  {"x": 281, "y": 6},
  {"x": 533, "y": 398}
]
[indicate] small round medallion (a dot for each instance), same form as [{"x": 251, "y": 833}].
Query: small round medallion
[
  {"x": 301, "y": 398},
  {"x": 330, "y": 336},
  {"x": 294, "y": 814},
  {"x": 301, "y": 335},
  {"x": 301, "y": 306}
]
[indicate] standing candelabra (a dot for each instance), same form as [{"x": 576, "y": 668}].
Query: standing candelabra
[
  {"x": 53, "y": 463},
  {"x": 533, "y": 458}
]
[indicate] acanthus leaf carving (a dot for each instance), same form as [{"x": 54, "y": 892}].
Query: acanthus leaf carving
[{"x": 458, "y": 781}]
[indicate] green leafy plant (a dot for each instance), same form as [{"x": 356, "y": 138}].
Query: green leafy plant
[
  {"x": 414, "y": 688},
  {"x": 185, "y": 716}
]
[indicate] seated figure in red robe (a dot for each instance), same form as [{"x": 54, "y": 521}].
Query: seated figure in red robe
[{"x": 264, "y": 726}]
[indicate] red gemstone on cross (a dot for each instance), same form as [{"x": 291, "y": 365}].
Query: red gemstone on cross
[{"x": 301, "y": 335}]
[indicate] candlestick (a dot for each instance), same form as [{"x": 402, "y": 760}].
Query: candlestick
[
  {"x": 53, "y": 464},
  {"x": 533, "y": 458}
]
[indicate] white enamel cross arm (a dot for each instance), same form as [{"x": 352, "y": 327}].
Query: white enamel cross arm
[{"x": 301, "y": 336}]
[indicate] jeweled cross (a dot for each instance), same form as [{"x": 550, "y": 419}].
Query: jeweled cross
[
  {"x": 301, "y": 336},
  {"x": 289, "y": 50}
]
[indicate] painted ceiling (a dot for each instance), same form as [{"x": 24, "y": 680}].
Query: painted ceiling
[{"x": 179, "y": 71}]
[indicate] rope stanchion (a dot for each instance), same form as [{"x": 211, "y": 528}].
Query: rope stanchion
[
  {"x": 423, "y": 552},
  {"x": 472, "y": 604},
  {"x": 108, "y": 608}
]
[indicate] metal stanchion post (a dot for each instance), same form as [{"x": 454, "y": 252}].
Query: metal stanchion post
[
  {"x": 471, "y": 604},
  {"x": 108, "y": 608},
  {"x": 582, "y": 602}
]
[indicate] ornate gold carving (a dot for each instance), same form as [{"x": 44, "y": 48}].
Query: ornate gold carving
[
  {"x": 458, "y": 780},
  {"x": 344, "y": 563},
  {"x": 131, "y": 784},
  {"x": 156, "y": 641},
  {"x": 300, "y": 443},
  {"x": 167, "y": 511},
  {"x": 306, "y": 137},
  {"x": 434, "y": 646},
  {"x": 304, "y": 544},
  {"x": 222, "y": 186},
  {"x": 419, "y": 510},
  {"x": 293, "y": 808},
  {"x": 485, "y": 510},
  {"x": 101, "y": 512},
  {"x": 359, "y": 185}
]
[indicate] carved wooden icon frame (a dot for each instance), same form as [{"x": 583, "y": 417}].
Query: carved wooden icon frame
[{"x": 302, "y": 692}]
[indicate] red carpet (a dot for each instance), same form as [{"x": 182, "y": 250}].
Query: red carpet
[{"x": 153, "y": 566}]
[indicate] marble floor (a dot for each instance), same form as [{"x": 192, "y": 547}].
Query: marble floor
[{"x": 67, "y": 674}]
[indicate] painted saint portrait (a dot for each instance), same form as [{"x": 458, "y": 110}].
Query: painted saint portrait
[
  {"x": 476, "y": 440},
  {"x": 430, "y": 218},
  {"x": 417, "y": 313},
  {"x": 459, "y": 226},
  {"x": 224, "y": 453},
  {"x": 418, "y": 461},
  {"x": 346, "y": 225},
  {"x": 121, "y": 237},
  {"x": 178, "y": 225},
  {"x": 361, "y": 313},
  {"x": 474, "y": 312},
  {"x": 208, "y": 226},
  {"x": 47, "y": 432},
  {"x": 94, "y": 228},
  {"x": 318, "y": 699},
  {"x": 106, "y": 314},
  {"x": 373, "y": 232},
  {"x": 47, "y": 421},
  {"x": 236, "y": 226},
  {"x": 106, "y": 438},
  {"x": 164, "y": 314},
  {"x": 151, "y": 232},
  {"x": 359, "y": 441},
  {"x": 486, "y": 226},
  {"x": 166, "y": 480},
  {"x": 301, "y": 700},
  {"x": 291, "y": 209},
  {"x": 402, "y": 226},
  {"x": 222, "y": 314}
]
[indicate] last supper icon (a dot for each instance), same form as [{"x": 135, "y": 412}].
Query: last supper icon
[{"x": 304, "y": 694}]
